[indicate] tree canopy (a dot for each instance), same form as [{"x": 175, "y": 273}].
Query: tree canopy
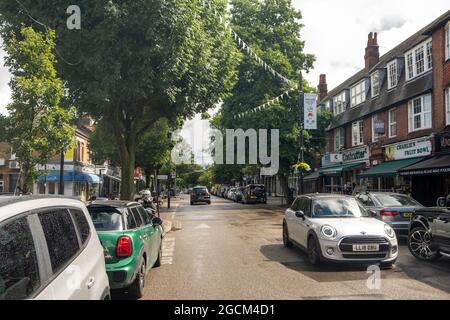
[
  {"x": 36, "y": 127},
  {"x": 136, "y": 61},
  {"x": 272, "y": 28}
]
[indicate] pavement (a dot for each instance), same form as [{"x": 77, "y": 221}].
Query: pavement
[{"x": 233, "y": 251}]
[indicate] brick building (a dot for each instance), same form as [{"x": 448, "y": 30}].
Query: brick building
[
  {"x": 9, "y": 169},
  {"x": 80, "y": 179},
  {"x": 391, "y": 119}
]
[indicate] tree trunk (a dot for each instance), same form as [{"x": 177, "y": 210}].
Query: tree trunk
[
  {"x": 25, "y": 181},
  {"x": 286, "y": 190},
  {"x": 147, "y": 178},
  {"x": 127, "y": 187}
]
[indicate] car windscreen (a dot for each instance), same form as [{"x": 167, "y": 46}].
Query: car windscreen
[
  {"x": 396, "y": 200},
  {"x": 338, "y": 208},
  {"x": 200, "y": 190},
  {"x": 106, "y": 219},
  {"x": 257, "y": 189}
]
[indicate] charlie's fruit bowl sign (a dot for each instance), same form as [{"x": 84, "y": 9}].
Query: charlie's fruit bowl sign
[{"x": 408, "y": 149}]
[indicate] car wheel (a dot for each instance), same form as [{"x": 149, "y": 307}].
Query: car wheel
[
  {"x": 158, "y": 261},
  {"x": 137, "y": 287},
  {"x": 192, "y": 203},
  {"x": 286, "y": 241},
  {"x": 420, "y": 245},
  {"x": 313, "y": 251},
  {"x": 209, "y": 202}
]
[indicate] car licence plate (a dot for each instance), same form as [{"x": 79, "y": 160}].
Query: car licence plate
[
  {"x": 366, "y": 247},
  {"x": 407, "y": 214}
]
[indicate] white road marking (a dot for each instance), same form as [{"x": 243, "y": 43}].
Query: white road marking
[
  {"x": 202, "y": 226},
  {"x": 168, "y": 250}
]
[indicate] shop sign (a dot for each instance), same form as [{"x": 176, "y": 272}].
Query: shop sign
[
  {"x": 355, "y": 154},
  {"x": 426, "y": 171},
  {"x": 408, "y": 149},
  {"x": 331, "y": 159}
]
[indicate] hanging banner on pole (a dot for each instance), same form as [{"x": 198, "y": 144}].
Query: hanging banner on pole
[{"x": 310, "y": 111}]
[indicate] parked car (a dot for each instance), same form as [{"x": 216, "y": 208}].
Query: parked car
[
  {"x": 200, "y": 194},
  {"x": 254, "y": 193},
  {"x": 231, "y": 193},
  {"x": 238, "y": 194},
  {"x": 223, "y": 191},
  {"x": 338, "y": 228},
  {"x": 429, "y": 232},
  {"x": 49, "y": 250},
  {"x": 132, "y": 240},
  {"x": 396, "y": 209},
  {"x": 215, "y": 189}
]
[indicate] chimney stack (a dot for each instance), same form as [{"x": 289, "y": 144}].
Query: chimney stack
[
  {"x": 323, "y": 88},
  {"x": 372, "y": 55}
]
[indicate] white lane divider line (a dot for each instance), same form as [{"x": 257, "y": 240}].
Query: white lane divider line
[{"x": 168, "y": 250}]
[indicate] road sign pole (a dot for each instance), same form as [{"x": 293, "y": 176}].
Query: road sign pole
[
  {"x": 157, "y": 191},
  {"x": 301, "y": 140},
  {"x": 61, "y": 173}
]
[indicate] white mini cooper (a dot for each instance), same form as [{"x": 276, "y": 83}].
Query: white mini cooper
[{"x": 338, "y": 228}]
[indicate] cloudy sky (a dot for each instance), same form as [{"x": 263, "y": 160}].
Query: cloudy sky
[{"x": 336, "y": 32}]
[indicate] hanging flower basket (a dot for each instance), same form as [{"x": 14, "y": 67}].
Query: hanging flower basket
[{"x": 301, "y": 167}]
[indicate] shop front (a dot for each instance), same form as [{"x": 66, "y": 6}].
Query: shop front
[
  {"x": 430, "y": 178},
  {"x": 385, "y": 175},
  {"x": 78, "y": 182},
  {"x": 342, "y": 178}
]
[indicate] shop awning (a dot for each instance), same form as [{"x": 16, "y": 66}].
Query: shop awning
[
  {"x": 338, "y": 169},
  {"x": 389, "y": 168},
  {"x": 313, "y": 176},
  {"x": 74, "y": 176},
  {"x": 435, "y": 165}
]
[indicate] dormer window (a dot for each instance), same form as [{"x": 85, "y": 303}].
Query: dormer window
[
  {"x": 392, "y": 74},
  {"x": 339, "y": 103},
  {"x": 419, "y": 60},
  {"x": 358, "y": 93},
  {"x": 375, "y": 84}
]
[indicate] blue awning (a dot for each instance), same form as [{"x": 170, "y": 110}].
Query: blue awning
[{"x": 74, "y": 176}]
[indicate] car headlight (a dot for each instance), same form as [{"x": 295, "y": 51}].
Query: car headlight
[
  {"x": 389, "y": 231},
  {"x": 328, "y": 231}
]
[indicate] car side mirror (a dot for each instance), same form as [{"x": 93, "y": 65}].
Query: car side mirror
[
  {"x": 157, "y": 221},
  {"x": 300, "y": 214}
]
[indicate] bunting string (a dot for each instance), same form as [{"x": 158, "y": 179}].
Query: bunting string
[
  {"x": 266, "y": 104},
  {"x": 251, "y": 53}
]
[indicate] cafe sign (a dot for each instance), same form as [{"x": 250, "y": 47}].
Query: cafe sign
[
  {"x": 355, "y": 155},
  {"x": 408, "y": 149}
]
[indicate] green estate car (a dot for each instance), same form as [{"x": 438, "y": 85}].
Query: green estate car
[{"x": 131, "y": 237}]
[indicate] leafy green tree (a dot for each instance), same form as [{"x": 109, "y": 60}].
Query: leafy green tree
[
  {"x": 205, "y": 179},
  {"x": 36, "y": 127},
  {"x": 152, "y": 152},
  {"x": 136, "y": 61},
  {"x": 272, "y": 28}
]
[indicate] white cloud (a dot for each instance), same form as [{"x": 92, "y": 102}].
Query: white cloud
[{"x": 336, "y": 31}]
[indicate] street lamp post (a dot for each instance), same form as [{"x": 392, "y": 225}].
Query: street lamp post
[
  {"x": 61, "y": 173},
  {"x": 300, "y": 157}
]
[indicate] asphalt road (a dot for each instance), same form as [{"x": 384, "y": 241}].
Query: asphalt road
[{"x": 233, "y": 251}]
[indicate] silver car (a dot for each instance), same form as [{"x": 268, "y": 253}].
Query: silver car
[
  {"x": 393, "y": 208},
  {"x": 338, "y": 228}
]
